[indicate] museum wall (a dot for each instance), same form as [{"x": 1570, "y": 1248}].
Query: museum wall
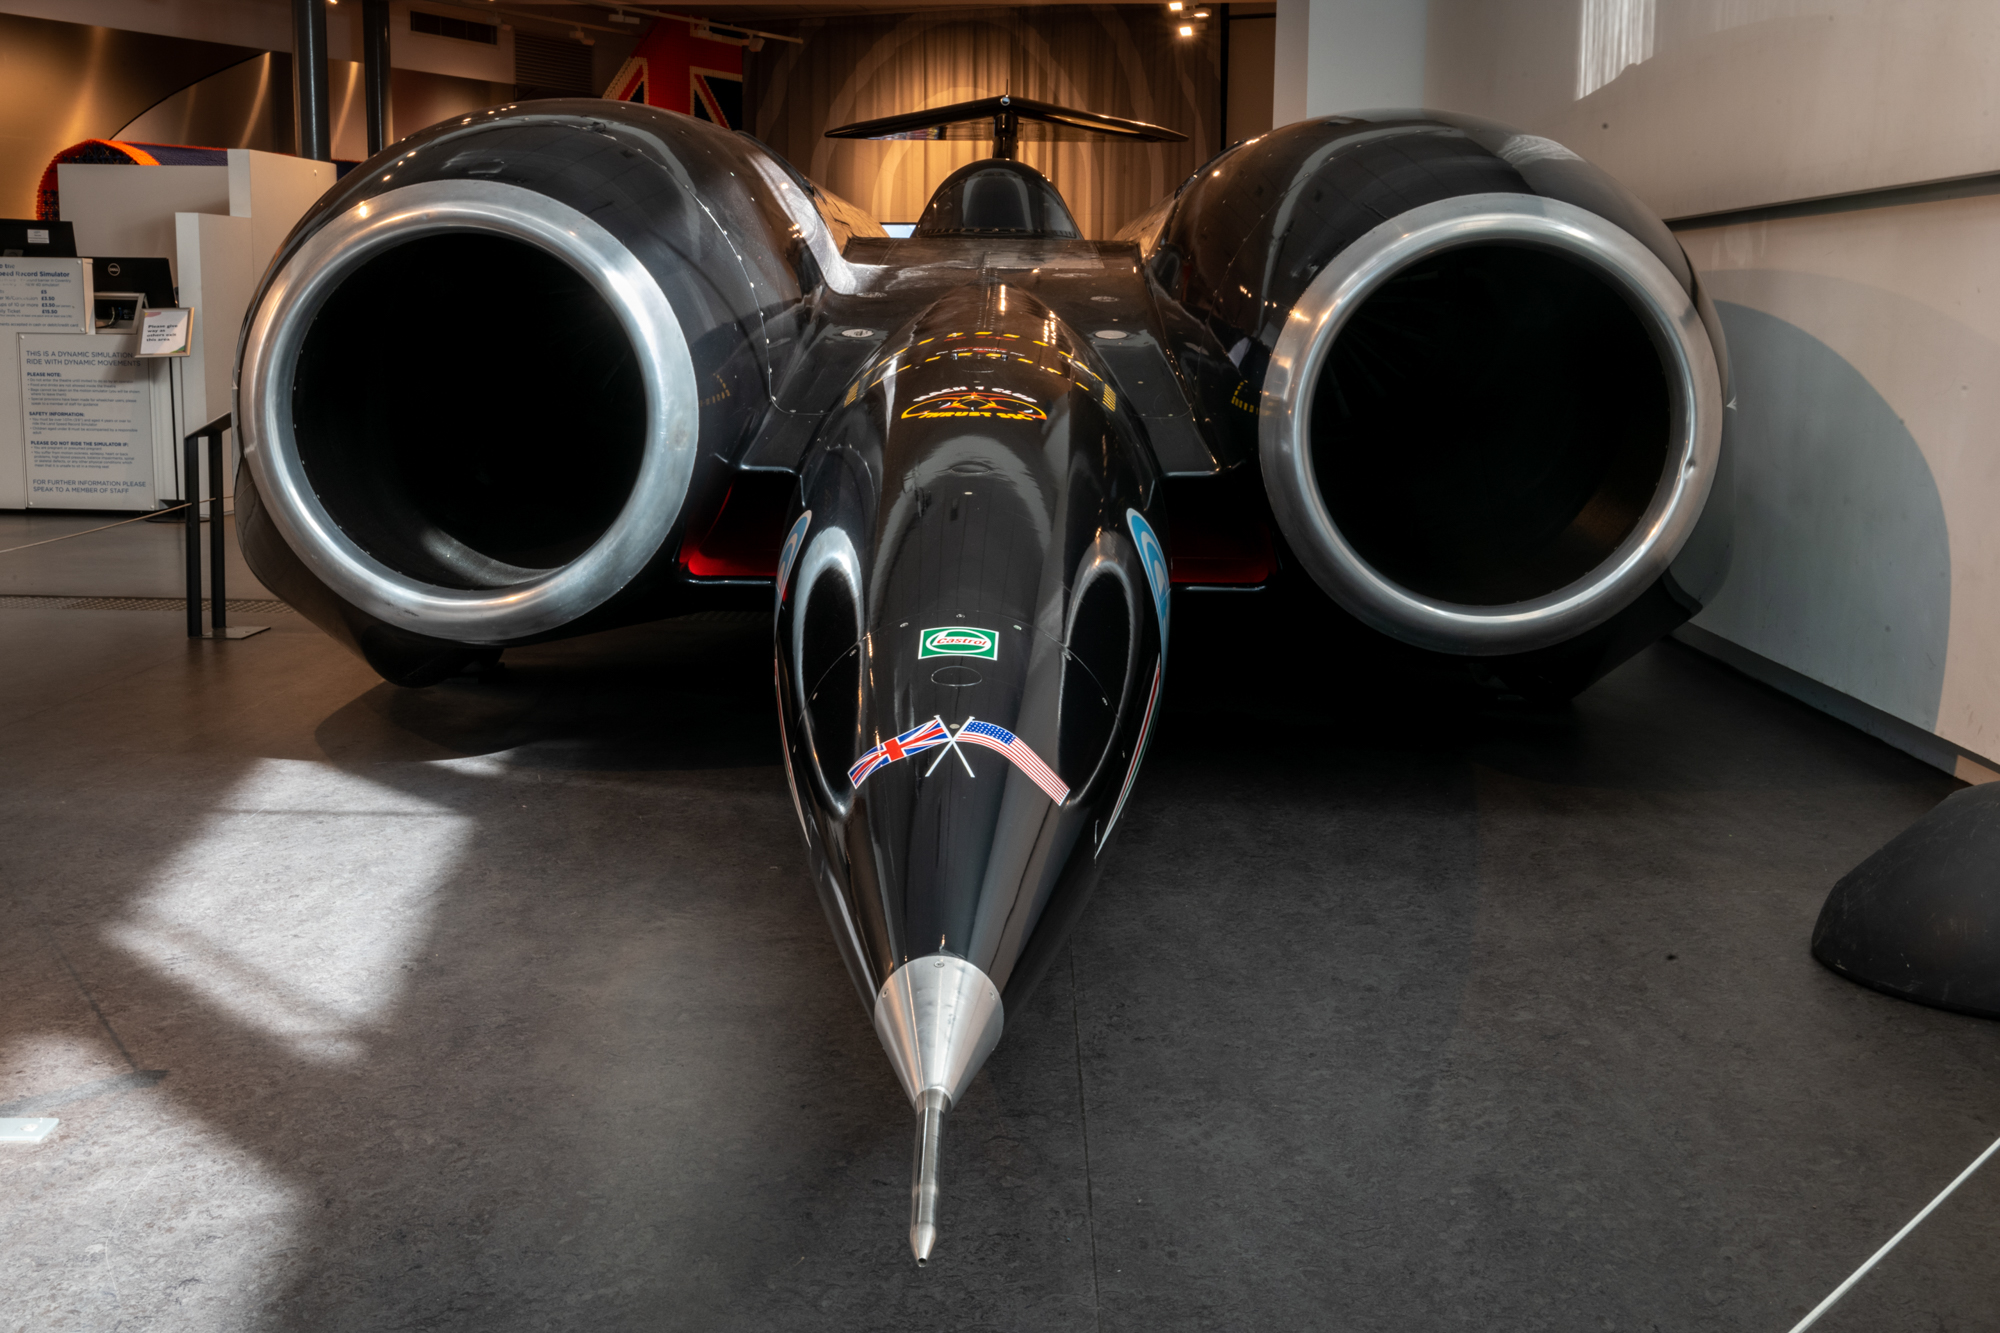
[
  {"x": 1348, "y": 55},
  {"x": 62, "y": 82},
  {"x": 1124, "y": 61},
  {"x": 1249, "y": 91},
  {"x": 1707, "y": 105},
  {"x": 1863, "y": 329},
  {"x": 218, "y": 74},
  {"x": 250, "y": 106}
]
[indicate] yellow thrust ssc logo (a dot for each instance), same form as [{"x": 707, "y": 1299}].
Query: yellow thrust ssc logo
[{"x": 973, "y": 403}]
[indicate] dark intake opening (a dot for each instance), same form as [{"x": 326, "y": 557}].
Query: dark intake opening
[
  {"x": 829, "y": 668},
  {"x": 1100, "y": 648},
  {"x": 1490, "y": 425},
  {"x": 469, "y": 410}
]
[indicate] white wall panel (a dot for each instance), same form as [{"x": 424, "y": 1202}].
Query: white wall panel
[
  {"x": 1740, "y": 103},
  {"x": 217, "y": 281},
  {"x": 129, "y": 211},
  {"x": 273, "y": 191},
  {"x": 451, "y": 55},
  {"x": 1347, "y": 55},
  {"x": 1867, "y": 429}
]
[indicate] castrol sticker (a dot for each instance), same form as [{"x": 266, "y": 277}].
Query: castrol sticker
[{"x": 959, "y": 641}]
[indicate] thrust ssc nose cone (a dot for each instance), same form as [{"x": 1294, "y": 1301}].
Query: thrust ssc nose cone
[{"x": 939, "y": 1017}]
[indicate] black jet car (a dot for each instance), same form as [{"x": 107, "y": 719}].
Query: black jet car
[{"x": 564, "y": 366}]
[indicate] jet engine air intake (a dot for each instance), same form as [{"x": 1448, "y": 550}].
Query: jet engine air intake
[
  {"x": 436, "y": 454},
  {"x": 476, "y": 474},
  {"x": 1491, "y": 423}
]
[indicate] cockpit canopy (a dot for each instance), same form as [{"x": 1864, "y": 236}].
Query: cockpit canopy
[{"x": 997, "y": 197}]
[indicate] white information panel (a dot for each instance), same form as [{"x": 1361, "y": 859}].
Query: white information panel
[
  {"x": 45, "y": 294},
  {"x": 88, "y": 414},
  {"x": 168, "y": 332},
  {"x": 35, "y": 294}
]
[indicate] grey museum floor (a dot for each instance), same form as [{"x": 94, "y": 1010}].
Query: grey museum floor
[{"x": 508, "y": 1005}]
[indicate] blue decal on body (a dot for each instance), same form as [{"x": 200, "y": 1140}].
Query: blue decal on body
[
  {"x": 793, "y": 541},
  {"x": 1154, "y": 557}
]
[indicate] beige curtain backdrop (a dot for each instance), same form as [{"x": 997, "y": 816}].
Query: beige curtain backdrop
[{"x": 1119, "y": 60}]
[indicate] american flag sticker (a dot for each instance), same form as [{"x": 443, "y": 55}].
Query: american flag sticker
[
  {"x": 934, "y": 733},
  {"x": 1018, "y": 752}
]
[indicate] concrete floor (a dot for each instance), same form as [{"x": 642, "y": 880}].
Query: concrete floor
[
  {"x": 131, "y": 560},
  {"x": 509, "y": 1006}
]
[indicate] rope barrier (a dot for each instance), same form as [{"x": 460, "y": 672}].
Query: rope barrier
[
  {"x": 1894, "y": 1241},
  {"x": 106, "y": 528}
]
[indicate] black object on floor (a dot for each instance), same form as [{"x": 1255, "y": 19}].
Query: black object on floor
[{"x": 1920, "y": 919}]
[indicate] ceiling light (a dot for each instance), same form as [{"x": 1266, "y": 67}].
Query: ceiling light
[
  {"x": 1201, "y": 13},
  {"x": 1173, "y": 6},
  {"x": 1186, "y": 31},
  {"x": 620, "y": 16}
]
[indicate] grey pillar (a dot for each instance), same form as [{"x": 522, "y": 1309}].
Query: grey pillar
[{"x": 309, "y": 101}]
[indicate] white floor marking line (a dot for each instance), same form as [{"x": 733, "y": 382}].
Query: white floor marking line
[{"x": 1894, "y": 1241}]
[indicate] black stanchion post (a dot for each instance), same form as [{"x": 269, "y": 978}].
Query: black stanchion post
[
  {"x": 375, "y": 71},
  {"x": 191, "y": 525},
  {"x": 309, "y": 93},
  {"x": 218, "y": 535},
  {"x": 218, "y": 601}
]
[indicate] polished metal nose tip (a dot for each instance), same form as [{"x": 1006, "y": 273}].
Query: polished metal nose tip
[
  {"x": 938, "y": 1017},
  {"x": 924, "y": 1174}
]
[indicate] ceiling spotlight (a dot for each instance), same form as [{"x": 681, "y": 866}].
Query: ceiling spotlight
[
  {"x": 1187, "y": 30},
  {"x": 620, "y": 16},
  {"x": 1201, "y": 13},
  {"x": 1173, "y": 6}
]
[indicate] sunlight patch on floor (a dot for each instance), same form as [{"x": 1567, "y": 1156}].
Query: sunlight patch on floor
[
  {"x": 298, "y": 906},
  {"x": 135, "y": 1214}
]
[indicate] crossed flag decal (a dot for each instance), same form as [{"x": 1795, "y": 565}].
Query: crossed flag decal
[{"x": 937, "y": 735}]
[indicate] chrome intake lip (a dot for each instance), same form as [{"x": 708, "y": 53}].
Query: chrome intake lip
[
  {"x": 1694, "y": 391},
  {"x": 548, "y": 599}
]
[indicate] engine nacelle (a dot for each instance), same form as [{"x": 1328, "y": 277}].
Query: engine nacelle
[
  {"x": 495, "y": 375},
  {"x": 1492, "y": 390}
]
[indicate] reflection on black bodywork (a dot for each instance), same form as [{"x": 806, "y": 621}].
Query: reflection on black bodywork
[{"x": 988, "y": 493}]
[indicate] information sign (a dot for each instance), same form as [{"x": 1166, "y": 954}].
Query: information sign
[
  {"x": 87, "y": 411},
  {"x": 165, "y": 332},
  {"x": 45, "y": 294}
]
